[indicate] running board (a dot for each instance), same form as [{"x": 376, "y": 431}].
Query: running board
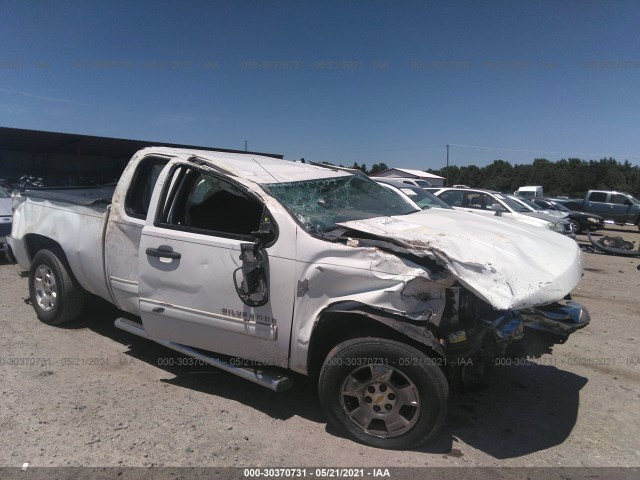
[{"x": 272, "y": 380}]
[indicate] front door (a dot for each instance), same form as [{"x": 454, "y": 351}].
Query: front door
[
  {"x": 191, "y": 264},
  {"x": 620, "y": 208}
]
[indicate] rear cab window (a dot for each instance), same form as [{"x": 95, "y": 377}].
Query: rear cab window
[
  {"x": 599, "y": 197},
  {"x": 138, "y": 196}
]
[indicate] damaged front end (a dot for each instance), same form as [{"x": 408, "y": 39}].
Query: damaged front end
[
  {"x": 508, "y": 291},
  {"x": 474, "y": 335},
  {"x": 465, "y": 286}
]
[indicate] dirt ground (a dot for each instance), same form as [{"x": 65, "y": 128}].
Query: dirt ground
[{"x": 92, "y": 395}]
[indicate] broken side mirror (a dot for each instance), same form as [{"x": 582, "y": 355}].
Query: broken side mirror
[{"x": 250, "y": 278}]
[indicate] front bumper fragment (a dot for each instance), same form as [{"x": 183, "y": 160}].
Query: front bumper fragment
[{"x": 561, "y": 318}]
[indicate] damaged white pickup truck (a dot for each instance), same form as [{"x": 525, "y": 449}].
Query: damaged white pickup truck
[{"x": 265, "y": 267}]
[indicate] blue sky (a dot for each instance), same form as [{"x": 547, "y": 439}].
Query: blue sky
[{"x": 338, "y": 81}]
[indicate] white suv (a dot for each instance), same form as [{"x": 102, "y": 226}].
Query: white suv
[{"x": 487, "y": 202}]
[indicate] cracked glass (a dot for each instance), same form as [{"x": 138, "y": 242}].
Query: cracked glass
[{"x": 320, "y": 204}]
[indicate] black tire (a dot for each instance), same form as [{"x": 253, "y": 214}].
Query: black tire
[
  {"x": 398, "y": 372},
  {"x": 575, "y": 226},
  {"x": 54, "y": 293}
]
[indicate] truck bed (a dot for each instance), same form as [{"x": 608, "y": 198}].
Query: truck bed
[{"x": 73, "y": 219}]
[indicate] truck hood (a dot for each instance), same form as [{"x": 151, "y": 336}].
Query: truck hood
[{"x": 509, "y": 265}]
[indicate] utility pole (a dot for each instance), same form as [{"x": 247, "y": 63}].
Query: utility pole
[
  {"x": 245, "y": 145},
  {"x": 446, "y": 176}
]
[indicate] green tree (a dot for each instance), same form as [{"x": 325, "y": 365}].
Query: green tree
[{"x": 378, "y": 167}]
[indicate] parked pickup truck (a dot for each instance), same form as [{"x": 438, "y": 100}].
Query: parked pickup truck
[
  {"x": 266, "y": 268},
  {"x": 615, "y": 207}
]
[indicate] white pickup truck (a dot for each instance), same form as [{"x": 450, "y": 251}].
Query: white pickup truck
[{"x": 266, "y": 267}]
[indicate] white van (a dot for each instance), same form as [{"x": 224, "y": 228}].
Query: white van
[{"x": 529, "y": 191}]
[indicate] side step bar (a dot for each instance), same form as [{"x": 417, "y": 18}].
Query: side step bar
[{"x": 272, "y": 380}]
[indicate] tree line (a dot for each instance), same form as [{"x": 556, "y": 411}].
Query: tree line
[{"x": 571, "y": 177}]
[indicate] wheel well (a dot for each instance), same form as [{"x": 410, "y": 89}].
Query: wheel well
[
  {"x": 35, "y": 243},
  {"x": 336, "y": 327}
]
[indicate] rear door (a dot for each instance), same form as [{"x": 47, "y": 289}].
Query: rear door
[
  {"x": 124, "y": 228},
  {"x": 598, "y": 203},
  {"x": 189, "y": 254}
]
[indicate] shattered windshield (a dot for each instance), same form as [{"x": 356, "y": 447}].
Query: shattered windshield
[{"x": 320, "y": 204}]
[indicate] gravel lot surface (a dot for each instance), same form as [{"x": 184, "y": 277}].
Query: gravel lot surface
[{"x": 92, "y": 395}]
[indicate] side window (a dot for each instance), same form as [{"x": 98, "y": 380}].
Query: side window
[
  {"x": 479, "y": 201},
  {"x": 600, "y": 197},
  {"x": 138, "y": 197},
  {"x": 619, "y": 199},
  {"x": 207, "y": 204},
  {"x": 452, "y": 197}
]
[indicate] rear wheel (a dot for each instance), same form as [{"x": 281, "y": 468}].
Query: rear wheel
[
  {"x": 55, "y": 295},
  {"x": 383, "y": 393}
]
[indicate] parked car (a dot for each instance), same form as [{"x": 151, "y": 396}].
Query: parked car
[
  {"x": 264, "y": 267},
  {"x": 615, "y": 207},
  {"x": 580, "y": 221},
  {"x": 527, "y": 202},
  {"x": 416, "y": 195},
  {"x": 416, "y": 182},
  {"x": 6, "y": 216},
  {"x": 490, "y": 203}
]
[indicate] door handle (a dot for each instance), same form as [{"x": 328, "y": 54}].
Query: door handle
[{"x": 156, "y": 252}]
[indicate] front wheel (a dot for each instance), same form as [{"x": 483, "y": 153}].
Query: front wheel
[
  {"x": 575, "y": 226},
  {"x": 383, "y": 393},
  {"x": 55, "y": 295}
]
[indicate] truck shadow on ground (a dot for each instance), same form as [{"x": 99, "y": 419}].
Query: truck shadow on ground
[{"x": 520, "y": 409}]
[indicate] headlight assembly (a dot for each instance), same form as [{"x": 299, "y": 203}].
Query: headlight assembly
[{"x": 556, "y": 227}]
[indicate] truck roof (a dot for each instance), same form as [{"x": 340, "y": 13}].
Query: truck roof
[{"x": 256, "y": 168}]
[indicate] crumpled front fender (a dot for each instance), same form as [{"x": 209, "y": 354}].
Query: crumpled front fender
[{"x": 419, "y": 333}]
